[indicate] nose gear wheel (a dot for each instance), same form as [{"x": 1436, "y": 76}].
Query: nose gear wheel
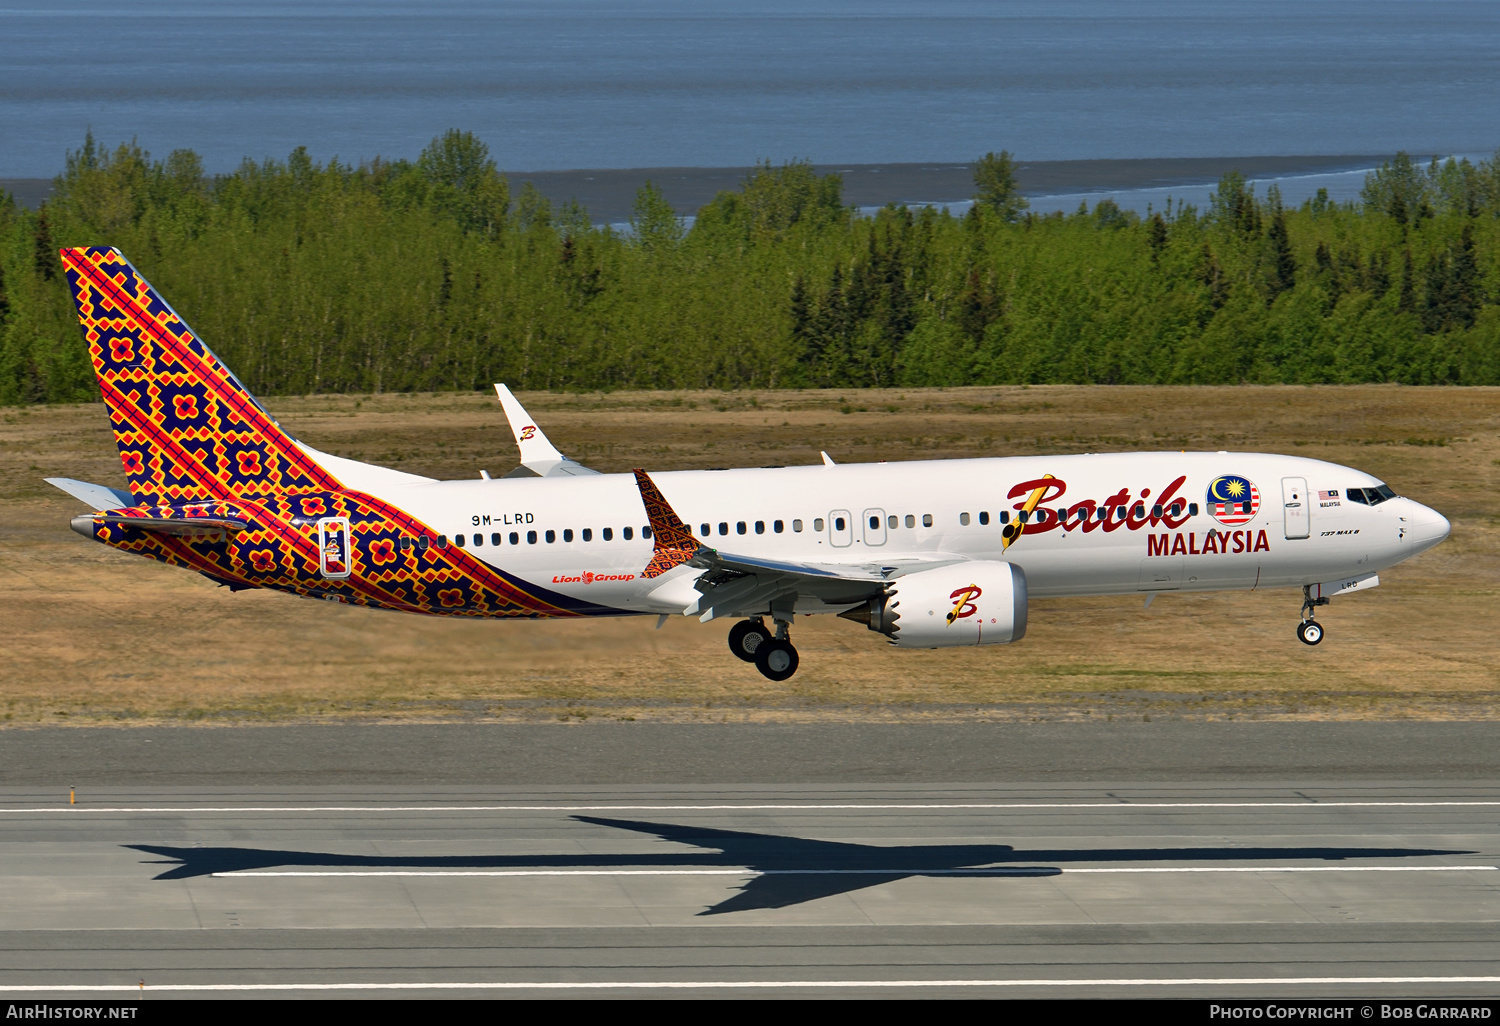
[{"x": 1309, "y": 632}]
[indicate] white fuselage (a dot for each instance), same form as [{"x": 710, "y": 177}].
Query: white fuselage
[{"x": 585, "y": 536}]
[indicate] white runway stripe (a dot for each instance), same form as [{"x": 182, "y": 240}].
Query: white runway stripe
[
  {"x": 786, "y": 807},
  {"x": 1232, "y": 981},
  {"x": 987, "y": 871}
]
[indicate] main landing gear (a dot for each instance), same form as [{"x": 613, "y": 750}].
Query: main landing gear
[
  {"x": 1309, "y": 631},
  {"x": 772, "y": 654}
]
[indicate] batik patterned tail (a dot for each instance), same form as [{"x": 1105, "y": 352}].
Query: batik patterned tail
[
  {"x": 186, "y": 428},
  {"x": 674, "y": 543}
]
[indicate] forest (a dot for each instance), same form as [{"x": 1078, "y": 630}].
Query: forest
[{"x": 434, "y": 274}]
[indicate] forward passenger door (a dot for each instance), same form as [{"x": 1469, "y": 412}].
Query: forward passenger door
[{"x": 1295, "y": 505}]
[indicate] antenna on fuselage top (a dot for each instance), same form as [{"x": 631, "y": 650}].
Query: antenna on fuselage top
[{"x": 539, "y": 457}]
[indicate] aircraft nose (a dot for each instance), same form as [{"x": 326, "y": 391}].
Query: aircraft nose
[{"x": 1426, "y": 527}]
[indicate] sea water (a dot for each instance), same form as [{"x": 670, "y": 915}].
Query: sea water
[{"x": 643, "y": 83}]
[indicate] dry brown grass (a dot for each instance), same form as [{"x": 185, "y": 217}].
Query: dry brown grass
[{"x": 92, "y": 635}]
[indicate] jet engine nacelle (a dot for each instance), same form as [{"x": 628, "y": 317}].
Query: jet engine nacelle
[{"x": 978, "y": 603}]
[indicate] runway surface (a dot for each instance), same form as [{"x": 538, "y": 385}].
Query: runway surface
[
  {"x": 597, "y": 752},
  {"x": 1248, "y": 888}
]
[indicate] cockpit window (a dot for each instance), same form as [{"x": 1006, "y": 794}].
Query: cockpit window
[{"x": 1370, "y": 496}]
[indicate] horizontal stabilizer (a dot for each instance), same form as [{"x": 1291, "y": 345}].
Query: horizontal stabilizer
[
  {"x": 181, "y": 527},
  {"x": 538, "y": 454},
  {"x": 94, "y": 496}
]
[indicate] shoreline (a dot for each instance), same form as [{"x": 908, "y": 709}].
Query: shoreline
[{"x": 608, "y": 193}]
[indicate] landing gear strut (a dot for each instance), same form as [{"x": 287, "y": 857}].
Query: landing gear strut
[
  {"x": 1309, "y": 631},
  {"x": 747, "y": 636},
  {"x": 776, "y": 659}
]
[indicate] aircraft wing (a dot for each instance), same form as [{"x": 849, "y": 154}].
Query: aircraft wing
[
  {"x": 730, "y": 584},
  {"x": 539, "y": 457},
  {"x": 708, "y": 558}
]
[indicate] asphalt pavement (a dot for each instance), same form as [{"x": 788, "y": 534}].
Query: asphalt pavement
[{"x": 1016, "y": 860}]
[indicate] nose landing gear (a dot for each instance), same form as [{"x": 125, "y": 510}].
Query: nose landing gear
[
  {"x": 1309, "y": 631},
  {"x": 773, "y": 655}
]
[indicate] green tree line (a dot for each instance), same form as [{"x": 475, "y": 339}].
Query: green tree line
[{"x": 435, "y": 275}]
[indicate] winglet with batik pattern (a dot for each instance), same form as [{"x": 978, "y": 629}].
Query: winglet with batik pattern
[{"x": 674, "y": 543}]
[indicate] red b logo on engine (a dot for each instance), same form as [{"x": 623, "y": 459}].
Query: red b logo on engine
[{"x": 963, "y": 604}]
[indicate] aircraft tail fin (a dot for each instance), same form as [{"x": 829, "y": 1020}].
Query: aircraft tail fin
[{"x": 185, "y": 426}]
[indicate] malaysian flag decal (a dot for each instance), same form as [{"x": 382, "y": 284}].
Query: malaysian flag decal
[{"x": 1233, "y": 500}]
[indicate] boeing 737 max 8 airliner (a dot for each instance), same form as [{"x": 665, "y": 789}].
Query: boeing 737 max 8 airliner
[{"x": 928, "y": 554}]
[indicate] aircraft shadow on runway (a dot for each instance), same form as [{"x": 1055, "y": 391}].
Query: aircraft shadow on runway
[{"x": 786, "y": 870}]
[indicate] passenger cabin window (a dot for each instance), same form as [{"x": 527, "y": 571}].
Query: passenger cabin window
[
  {"x": 646, "y": 532},
  {"x": 1023, "y": 516},
  {"x": 567, "y": 534},
  {"x": 739, "y": 528},
  {"x": 704, "y": 531},
  {"x": 984, "y": 519},
  {"x": 1156, "y": 511},
  {"x": 1005, "y": 516},
  {"x": 723, "y": 527},
  {"x": 838, "y": 523},
  {"x": 926, "y": 519},
  {"x": 874, "y": 523},
  {"x": 892, "y": 520},
  {"x": 760, "y": 527},
  {"x": 442, "y": 541},
  {"x": 797, "y": 526},
  {"x": 515, "y": 539},
  {"x": 496, "y": 539},
  {"x": 818, "y": 524},
  {"x": 626, "y": 533},
  {"x": 459, "y": 540},
  {"x": 588, "y": 534},
  {"x": 779, "y": 526},
  {"x": 551, "y": 537},
  {"x": 607, "y": 534},
  {"x": 963, "y": 518},
  {"x": 1192, "y": 509},
  {"x": 530, "y": 537}
]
